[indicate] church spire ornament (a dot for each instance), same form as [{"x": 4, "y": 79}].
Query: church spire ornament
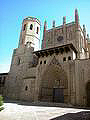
[
  {"x": 76, "y": 18},
  {"x": 44, "y": 37}
]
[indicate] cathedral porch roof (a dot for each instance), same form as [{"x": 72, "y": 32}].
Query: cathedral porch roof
[{"x": 57, "y": 49}]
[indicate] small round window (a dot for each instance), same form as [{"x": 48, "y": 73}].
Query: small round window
[
  {"x": 26, "y": 88},
  {"x": 69, "y": 58},
  {"x": 64, "y": 59},
  {"x": 45, "y": 62},
  {"x": 40, "y": 62}
]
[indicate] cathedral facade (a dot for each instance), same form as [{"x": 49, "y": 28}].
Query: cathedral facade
[{"x": 59, "y": 72}]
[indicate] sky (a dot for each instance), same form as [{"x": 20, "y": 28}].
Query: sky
[{"x": 12, "y": 12}]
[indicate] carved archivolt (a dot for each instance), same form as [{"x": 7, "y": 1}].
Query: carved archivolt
[{"x": 54, "y": 75}]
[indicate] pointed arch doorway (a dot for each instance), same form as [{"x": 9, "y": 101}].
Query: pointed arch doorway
[
  {"x": 54, "y": 85},
  {"x": 58, "y": 95}
]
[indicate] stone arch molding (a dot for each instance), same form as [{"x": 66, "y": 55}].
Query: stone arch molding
[
  {"x": 54, "y": 61},
  {"x": 54, "y": 76},
  {"x": 55, "y": 71}
]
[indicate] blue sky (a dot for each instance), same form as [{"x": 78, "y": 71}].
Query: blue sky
[{"x": 12, "y": 13}]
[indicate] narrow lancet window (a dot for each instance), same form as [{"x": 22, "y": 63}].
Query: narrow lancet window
[
  {"x": 37, "y": 30},
  {"x": 31, "y": 27}
]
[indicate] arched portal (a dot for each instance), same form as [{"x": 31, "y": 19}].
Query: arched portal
[
  {"x": 88, "y": 93},
  {"x": 54, "y": 85}
]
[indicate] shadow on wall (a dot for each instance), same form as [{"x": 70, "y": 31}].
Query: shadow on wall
[{"x": 88, "y": 93}]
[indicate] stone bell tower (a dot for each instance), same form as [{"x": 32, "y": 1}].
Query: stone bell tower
[{"x": 30, "y": 33}]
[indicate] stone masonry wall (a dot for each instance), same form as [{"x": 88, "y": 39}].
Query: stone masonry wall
[{"x": 22, "y": 73}]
